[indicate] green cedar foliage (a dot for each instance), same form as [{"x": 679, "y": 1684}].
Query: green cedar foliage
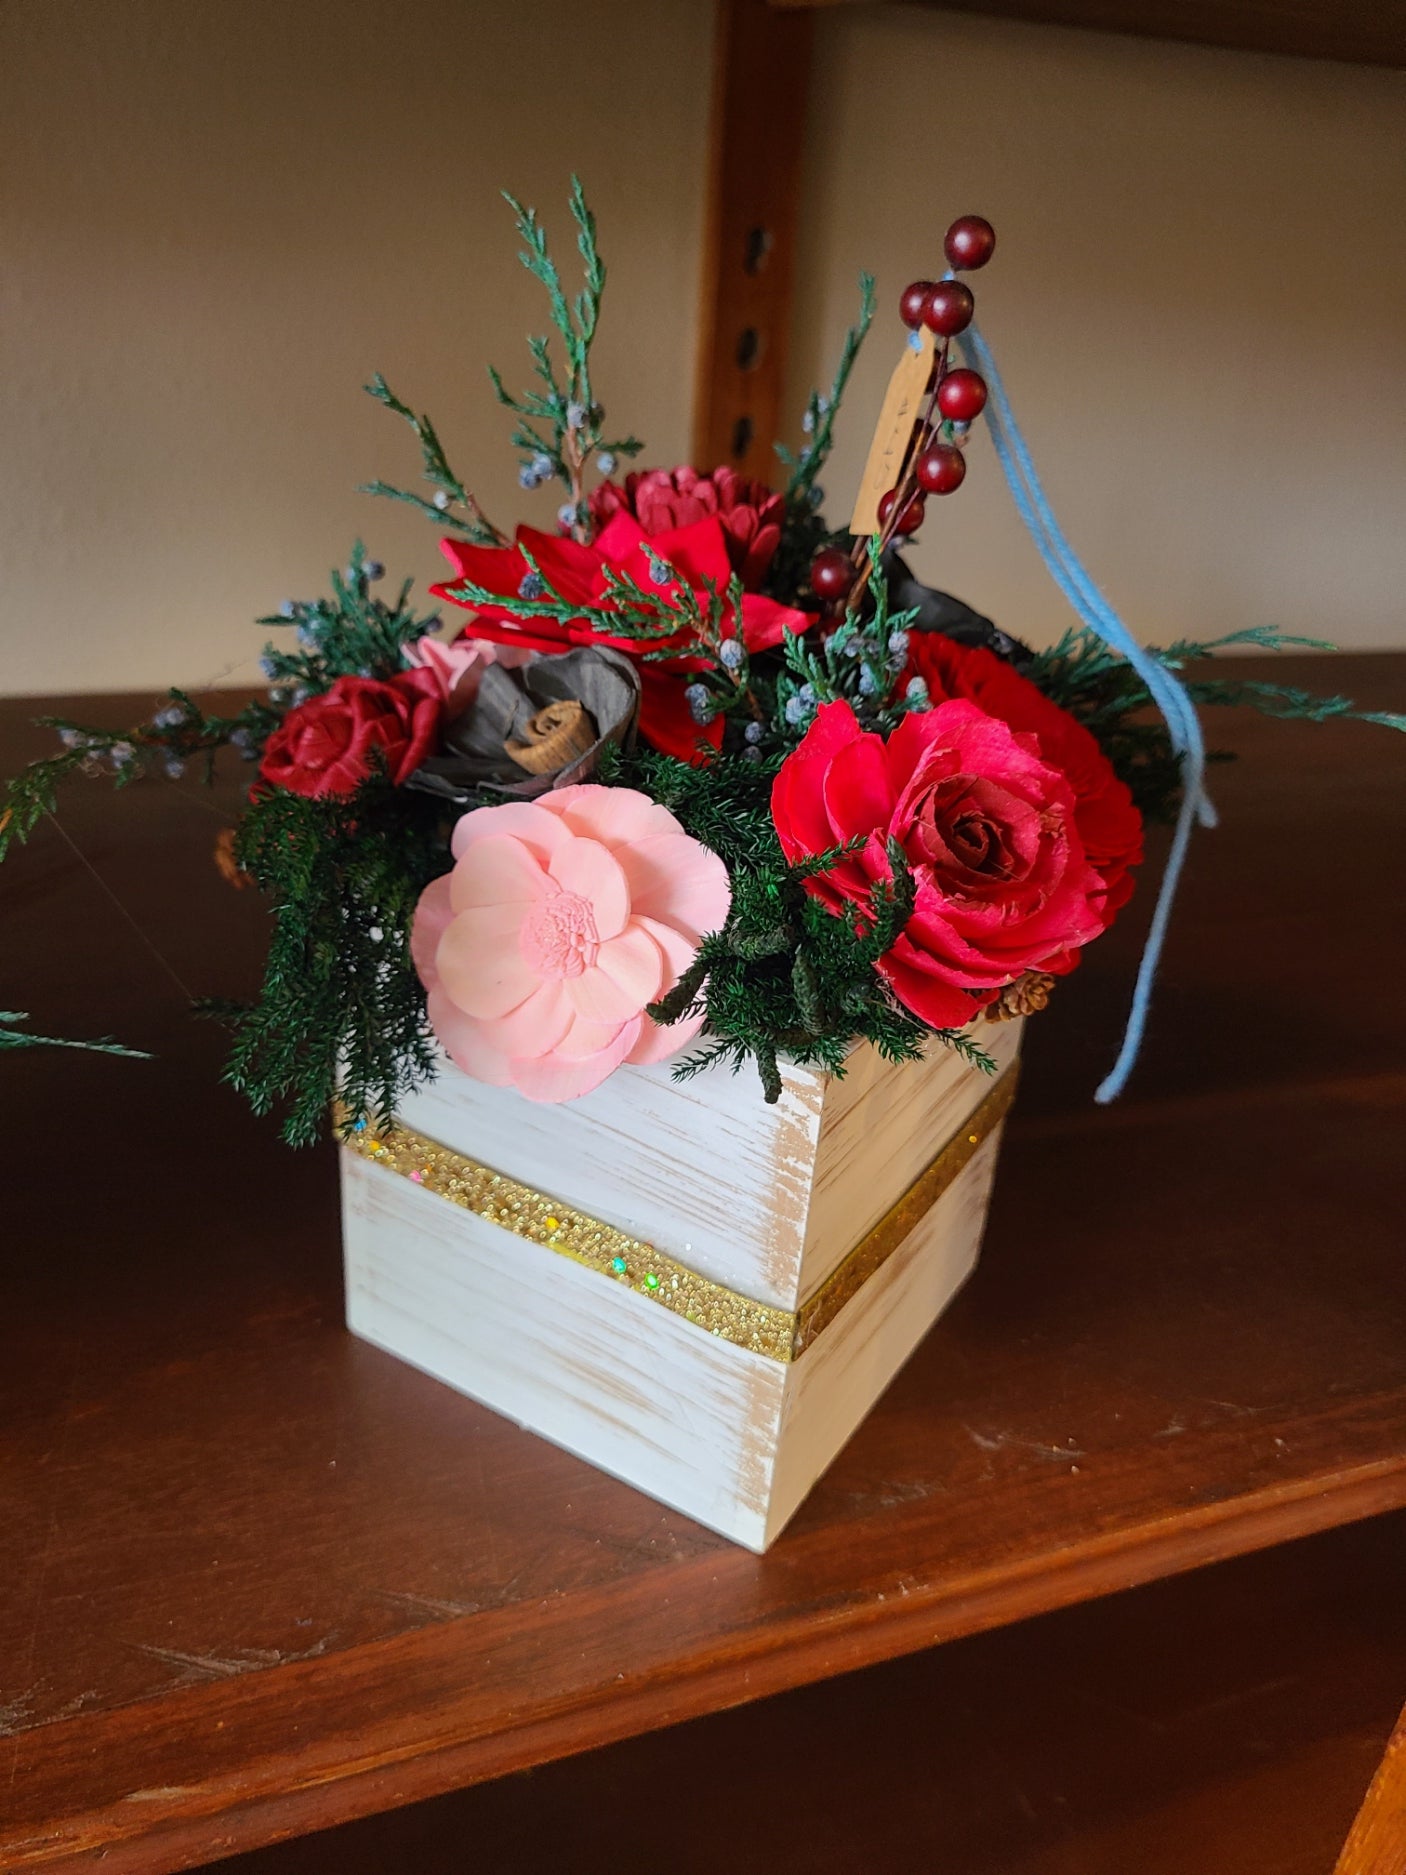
[
  {"x": 806, "y": 531},
  {"x": 785, "y": 975},
  {"x": 1101, "y": 690},
  {"x": 450, "y": 492},
  {"x": 562, "y": 421},
  {"x": 179, "y": 732},
  {"x": 341, "y": 1001},
  {"x": 341, "y": 1008},
  {"x": 351, "y": 633},
  {"x": 821, "y": 411},
  {"x": 557, "y": 428}
]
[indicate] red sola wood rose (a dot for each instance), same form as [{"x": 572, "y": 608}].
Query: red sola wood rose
[
  {"x": 989, "y": 828},
  {"x": 1110, "y": 827},
  {"x": 326, "y": 745}
]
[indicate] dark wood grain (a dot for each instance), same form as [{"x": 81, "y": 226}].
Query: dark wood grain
[
  {"x": 260, "y": 1579},
  {"x": 1361, "y": 32},
  {"x": 1221, "y": 1723}
]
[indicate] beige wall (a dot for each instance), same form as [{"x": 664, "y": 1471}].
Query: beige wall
[
  {"x": 1198, "y": 303},
  {"x": 220, "y": 216}
]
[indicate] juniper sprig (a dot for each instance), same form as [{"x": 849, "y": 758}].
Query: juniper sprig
[{"x": 450, "y": 493}]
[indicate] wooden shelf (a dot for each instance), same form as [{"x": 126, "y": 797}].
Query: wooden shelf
[
  {"x": 1222, "y": 1723},
  {"x": 1361, "y": 32},
  {"x": 268, "y": 1580}
]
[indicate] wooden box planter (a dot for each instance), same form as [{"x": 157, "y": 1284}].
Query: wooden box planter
[{"x": 697, "y": 1292}]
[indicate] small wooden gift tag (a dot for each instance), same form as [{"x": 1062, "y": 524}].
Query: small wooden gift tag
[{"x": 894, "y": 431}]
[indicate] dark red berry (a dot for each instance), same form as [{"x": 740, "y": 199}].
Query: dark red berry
[
  {"x": 940, "y": 469},
  {"x": 949, "y": 309},
  {"x": 911, "y": 518},
  {"x": 962, "y": 396},
  {"x": 969, "y": 242},
  {"x": 831, "y": 573},
  {"x": 915, "y": 298}
]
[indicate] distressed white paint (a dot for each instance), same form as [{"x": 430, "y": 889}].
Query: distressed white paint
[
  {"x": 880, "y": 1128},
  {"x": 728, "y": 1436},
  {"x": 801, "y": 1181}
]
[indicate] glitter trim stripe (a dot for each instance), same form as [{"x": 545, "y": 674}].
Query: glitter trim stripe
[{"x": 779, "y": 1334}]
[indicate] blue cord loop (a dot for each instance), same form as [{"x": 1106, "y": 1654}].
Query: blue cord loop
[{"x": 1169, "y": 694}]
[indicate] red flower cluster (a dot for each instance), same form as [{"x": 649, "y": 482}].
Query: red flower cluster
[
  {"x": 663, "y": 500},
  {"x": 1109, "y": 825},
  {"x": 698, "y": 553},
  {"x": 1018, "y": 859},
  {"x": 326, "y": 745}
]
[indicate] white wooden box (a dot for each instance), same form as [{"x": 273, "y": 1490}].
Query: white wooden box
[{"x": 697, "y": 1292}]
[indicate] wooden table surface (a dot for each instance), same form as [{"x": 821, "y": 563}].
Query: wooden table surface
[
  {"x": 1225, "y": 1721},
  {"x": 260, "y": 1579}
]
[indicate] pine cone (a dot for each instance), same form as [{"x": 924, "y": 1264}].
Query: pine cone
[{"x": 1024, "y": 997}]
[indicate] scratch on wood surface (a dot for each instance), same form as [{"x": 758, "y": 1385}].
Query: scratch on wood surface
[
  {"x": 196, "y": 1667},
  {"x": 23, "y": 1715},
  {"x": 17, "y": 1715},
  {"x": 430, "y": 1605},
  {"x": 910, "y": 1491},
  {"x": 888, "y": 1495},
  {"x": 996, "y": 1442}
]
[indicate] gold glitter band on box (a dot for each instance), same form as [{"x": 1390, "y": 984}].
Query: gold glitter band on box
[{"x": 779, "y": 1334}]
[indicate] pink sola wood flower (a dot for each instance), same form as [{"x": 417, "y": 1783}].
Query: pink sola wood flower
[
  {"x": 561, "y": 920},
  {"x": 458, "y": 667}
]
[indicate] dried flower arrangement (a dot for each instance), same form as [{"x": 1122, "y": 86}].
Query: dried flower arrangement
[{"x": 703, "y": 777}]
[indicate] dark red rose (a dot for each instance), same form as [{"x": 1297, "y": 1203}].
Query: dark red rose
[
  {"x": 662, "y": 500},
  {"x": 989, "y": 828},
  {"x": 579, "y": 574},
  {"x": 1110, "y": 827},
  {"x": 325, "y": 745}
]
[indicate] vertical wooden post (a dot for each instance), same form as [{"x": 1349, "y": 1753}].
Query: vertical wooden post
[
  {"x": 1376, "y": 1844},
  {"x": 761, "y": 72}
]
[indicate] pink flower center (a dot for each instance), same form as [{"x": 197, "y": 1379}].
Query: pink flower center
[{"x": 559, "y": 938}]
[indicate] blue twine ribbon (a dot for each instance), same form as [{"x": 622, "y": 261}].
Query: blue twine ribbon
[{"x": 1169, "y": 694}]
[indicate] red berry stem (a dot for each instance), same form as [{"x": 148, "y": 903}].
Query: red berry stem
[{"x": 934, "y": 462}]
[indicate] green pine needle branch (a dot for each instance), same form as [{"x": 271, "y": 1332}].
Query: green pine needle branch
[
  {"x": 785, "y": 977},
  {"x": 341, "y": 1011},
  {"x": 11, "y": 1037}
]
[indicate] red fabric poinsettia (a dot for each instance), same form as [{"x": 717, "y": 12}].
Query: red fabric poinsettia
[
  {"x": 697, "y": 553},
  {"x": 327, "y": 745},
  {"x": 988, "y": 827},
  {"x": 663, "y": 500},
  {"x": 1110, "y": 826}
]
